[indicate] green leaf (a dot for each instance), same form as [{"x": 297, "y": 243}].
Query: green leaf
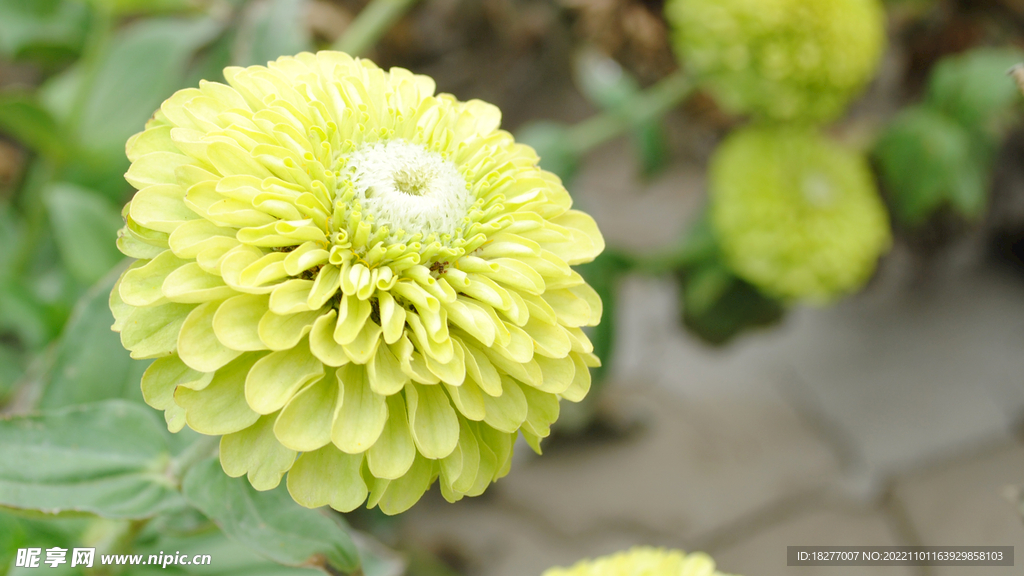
[
  {"x": 269, "y": 523},
  {"x": 25, "y": 25},
  {"x": 18, "y": 532},
  {"x": 718, "y": 306},
  {"x": 973, "y": 89},
  {"x": 927, "y": 160},
  {"x": 22, "y": 314},
  {"x": 27, "y": 122},
  {"x": 107, "y": 459},
  {"x": 85, "y": 228},
  {"x": 272, "y": 28},
  {"x": 209, "y": 62},
  {"x": 57, "y": 93},
  {"x": 89, "y": 362},
  {"x": 145, "y": 64},
  {"x": 228, "y": 558}
]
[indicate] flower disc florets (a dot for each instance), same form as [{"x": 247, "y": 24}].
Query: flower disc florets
[
  {"x": 795, "y": 214},
  {"x": 352, "y": 280},
  {"x": 642, "y": 561},
  {"x": 780, "y": 59}
]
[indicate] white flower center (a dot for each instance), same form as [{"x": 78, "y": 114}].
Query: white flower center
[
  {"x": 406, "y": 187},
  {"x": 818, "y": 191}
]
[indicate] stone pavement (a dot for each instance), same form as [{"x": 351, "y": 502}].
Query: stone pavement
[{"x": 891, "y": 418}]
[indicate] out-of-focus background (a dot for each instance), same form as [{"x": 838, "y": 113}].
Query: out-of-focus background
[{"x": 737, "y": 423}]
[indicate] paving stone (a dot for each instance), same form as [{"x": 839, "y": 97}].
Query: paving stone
[
  {"x": 631, "y": 213},
  {"x": 489, "y": 540},
  {"x": 764, "y": 553},
  {"x": 698, "y": 465},
  {"x": 919, "y": 375},
  {"x": 902, "y": 375},
  {"x": 964, "y": 503}
]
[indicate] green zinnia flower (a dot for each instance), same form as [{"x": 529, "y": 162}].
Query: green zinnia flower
[
  {"x": 642, "y": 561},
  {"x": 780, "y": 59},
  {"x": 352, "y": 280},
  {"x": 795, "y": 214}
]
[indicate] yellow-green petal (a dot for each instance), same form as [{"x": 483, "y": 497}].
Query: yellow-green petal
[
  {"x": 256, "y": 453},
  {"x": 361, "y": 417},
  {"x": 328, "y": 477},
  {"x": 432, "y": 420}
]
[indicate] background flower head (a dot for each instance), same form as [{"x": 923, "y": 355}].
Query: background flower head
[
  {"x": 796, "y": 214},
  {"x": 642, "y": 561},
  {"x": 780, "y": 59},
  {"x": 352, "y": 280}
]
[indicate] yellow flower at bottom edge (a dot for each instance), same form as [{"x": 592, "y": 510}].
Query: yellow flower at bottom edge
[
  {"x": 352, "y": 280},
  {"x": 642, "y": 561}
]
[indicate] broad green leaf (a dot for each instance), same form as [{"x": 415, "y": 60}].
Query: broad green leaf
[
  {"x": 272, "y": 28},
  {"x": 227, "y": 557},
  {"x": 210, "y": 62},
  {"x": 145, "y": 64},
  {"x": 705, "y": 286},
  {"x": 22, "y": 314},
  {"x": 143, "y": 67},
  {"x": 89, "y": 363},
  {"x": 27, "y": 122},
  {"x": 57, "y": 94},
  {"x": 85, "y": 228},
  {"x": 270, "y": 523},
  {"x": 927, "y": 160},
  {"x": 972, "y": 88},
  {"x": 28, "y": 24},
  {"x": 718, "y": 306},
  {"x": 108, "y": 459},
  {"x": 19, "y": 532}
]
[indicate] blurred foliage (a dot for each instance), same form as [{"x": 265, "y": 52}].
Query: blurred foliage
[{"x": 941, "y": 153}]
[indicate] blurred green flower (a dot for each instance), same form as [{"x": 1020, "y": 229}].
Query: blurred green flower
[
  {"x": 796, "y": 215},
  {"x": 642, "y": 561},
  {"x": 780, "y": 59},
  {"x": 352, "y": 280}
]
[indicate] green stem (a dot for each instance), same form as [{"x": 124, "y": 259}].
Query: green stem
[
  {"x": 659, "y": 263},
  {"x": 199, "y": 450},
  {"x": 370, "y": 25},
  {"x": 647, "y": 106}
]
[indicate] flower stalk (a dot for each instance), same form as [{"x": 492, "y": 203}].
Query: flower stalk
[
  {"x": 646, "y": 106},
  {"x": 368, "y": 27}
]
